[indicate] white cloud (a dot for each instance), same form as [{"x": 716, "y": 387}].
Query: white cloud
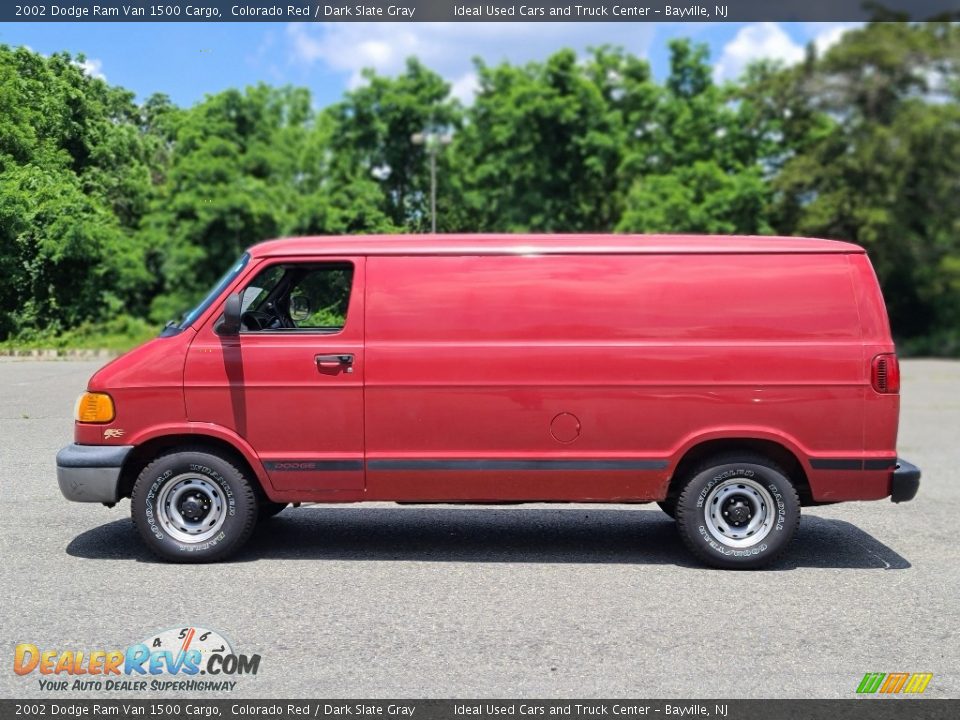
[
  {"x": 465, "y": 87},
  {"x": 90, "y": 66},
  {"x": 769, "y": 40},
  {"x": 305, "y": 47},
  {"x": 449, "y": 48},
  {"x": 752, "y": 42},
  {"x": 828, "y": 34},
  {"x": 93, "y": 68}
]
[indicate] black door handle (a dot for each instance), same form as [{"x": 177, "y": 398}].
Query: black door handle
[{"x": 333, "y": 360}]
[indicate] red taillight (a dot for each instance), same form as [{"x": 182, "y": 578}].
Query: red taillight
[{"x": 885, "y": 373}]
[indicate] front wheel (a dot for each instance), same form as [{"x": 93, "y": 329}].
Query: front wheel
[
  {"x": 193, "y": 506},
  {"x": 738, "y": 512}
]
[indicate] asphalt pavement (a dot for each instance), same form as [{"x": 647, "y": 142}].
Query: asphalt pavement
[{"x": 543, "y": 601}]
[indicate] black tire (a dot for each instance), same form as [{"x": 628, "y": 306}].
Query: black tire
[
  {"x": 204, "y": 483},
  {"x": 269, "y": 508},
  {"x": 669, "y": 507},
  {"x": 711, "y": 537}
]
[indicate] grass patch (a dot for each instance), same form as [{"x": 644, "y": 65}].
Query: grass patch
[{"x": 116, "y": 336}]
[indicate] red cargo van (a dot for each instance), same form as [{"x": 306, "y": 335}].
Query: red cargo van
[{"x": 729, "y": 379}]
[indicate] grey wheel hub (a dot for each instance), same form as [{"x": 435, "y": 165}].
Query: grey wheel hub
[
  {"x": 739, "y": 512},
  {"x": 191, "y": 508}
]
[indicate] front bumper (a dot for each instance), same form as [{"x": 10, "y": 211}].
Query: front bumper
[
  {"x": 91, "y": 473},
  {"x": 905, "y": 483}
]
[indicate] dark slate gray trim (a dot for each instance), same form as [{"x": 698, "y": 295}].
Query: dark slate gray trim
[
  {"x": 504, "y": 464},
  {"x": 852, "y": 464},
  {"x": 888, "y": 464},
  {"x": 836, "y": 464},
  {"x": 312, "y": 465},
  {"x": 501, "y": 464},
  {"x": 93, "y": 456}
]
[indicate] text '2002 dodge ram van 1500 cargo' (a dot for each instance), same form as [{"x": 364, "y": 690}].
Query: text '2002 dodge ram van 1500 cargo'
[{"x": 730, "y": 379}]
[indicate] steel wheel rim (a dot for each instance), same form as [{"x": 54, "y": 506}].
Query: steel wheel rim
[
  {"x": 191, "y": 508},
  {"x": 739, "y": 512}
]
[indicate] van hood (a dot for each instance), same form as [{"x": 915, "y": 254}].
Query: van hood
[{"x": 155, "y": 363}]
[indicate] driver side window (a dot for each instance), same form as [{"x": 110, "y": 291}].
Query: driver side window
[
  {"x": 257, "y": 291},
  {"x": 291, "y": 297}
]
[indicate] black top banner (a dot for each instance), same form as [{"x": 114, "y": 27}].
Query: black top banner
[{"x": 477, "y": 11}]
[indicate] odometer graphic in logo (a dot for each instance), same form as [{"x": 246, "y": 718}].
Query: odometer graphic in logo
[{"x": 203, "y": 647}]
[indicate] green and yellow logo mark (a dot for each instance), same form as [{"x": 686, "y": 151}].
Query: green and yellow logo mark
[{"x": 893, "y": 683}]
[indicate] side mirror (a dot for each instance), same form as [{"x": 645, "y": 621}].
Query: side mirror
[
  {"x": 299, "y": 307},
  {"x": 230, "y": 324}
]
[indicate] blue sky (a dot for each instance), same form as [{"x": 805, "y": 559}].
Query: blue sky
[{"x": 188, "y": 60}]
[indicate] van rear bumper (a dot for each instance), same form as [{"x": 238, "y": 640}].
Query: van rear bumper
[
  {"x": 91, "y": 473},
  {"x": 905, "y": 483}
]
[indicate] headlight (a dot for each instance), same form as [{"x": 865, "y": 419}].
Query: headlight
[{"x": 94, "y": 407}]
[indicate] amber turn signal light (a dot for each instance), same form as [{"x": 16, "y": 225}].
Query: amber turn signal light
[{"x": 94, "y": 407}]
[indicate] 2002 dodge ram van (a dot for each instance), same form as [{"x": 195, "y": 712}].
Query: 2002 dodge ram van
[{"x": 730, "y": 379}]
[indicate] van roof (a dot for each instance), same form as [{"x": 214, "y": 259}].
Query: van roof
[{"x": 520, "y": 244}]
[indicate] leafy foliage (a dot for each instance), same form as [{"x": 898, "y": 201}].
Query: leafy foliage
[
  {"x": 74, "y": 182},
  {"x": 114, "y": 213}
]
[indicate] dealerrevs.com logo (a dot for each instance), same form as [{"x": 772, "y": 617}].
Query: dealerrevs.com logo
[{"x": 189, "y": 659}]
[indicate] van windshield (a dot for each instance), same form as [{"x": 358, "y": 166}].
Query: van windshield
[{"x": 217, "y": 290}]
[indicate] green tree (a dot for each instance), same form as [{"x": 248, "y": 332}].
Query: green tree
[
  {"x": 74, "y": 184},
  {"x": 242, "y": 167},
  {"x": 232, "y": 161},
  {"x": 107, "y": 207},
  {"x": 701, "y": 169},
  {"x": 883, "y": 169},
  {"x": 335, "y": 196},
  {"x": 542, "y": 145},
  {"x": 371, "y": 132}
]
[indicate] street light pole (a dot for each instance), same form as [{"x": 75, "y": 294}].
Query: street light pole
[{"x": 432, "y": 142}]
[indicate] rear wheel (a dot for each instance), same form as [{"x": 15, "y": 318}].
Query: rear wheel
[
  {"x": 738, "y": 511},
  {"x": 193, "y": 506}
]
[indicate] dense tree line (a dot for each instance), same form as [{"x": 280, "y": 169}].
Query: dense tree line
[{"x": 110, "y": 209}]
